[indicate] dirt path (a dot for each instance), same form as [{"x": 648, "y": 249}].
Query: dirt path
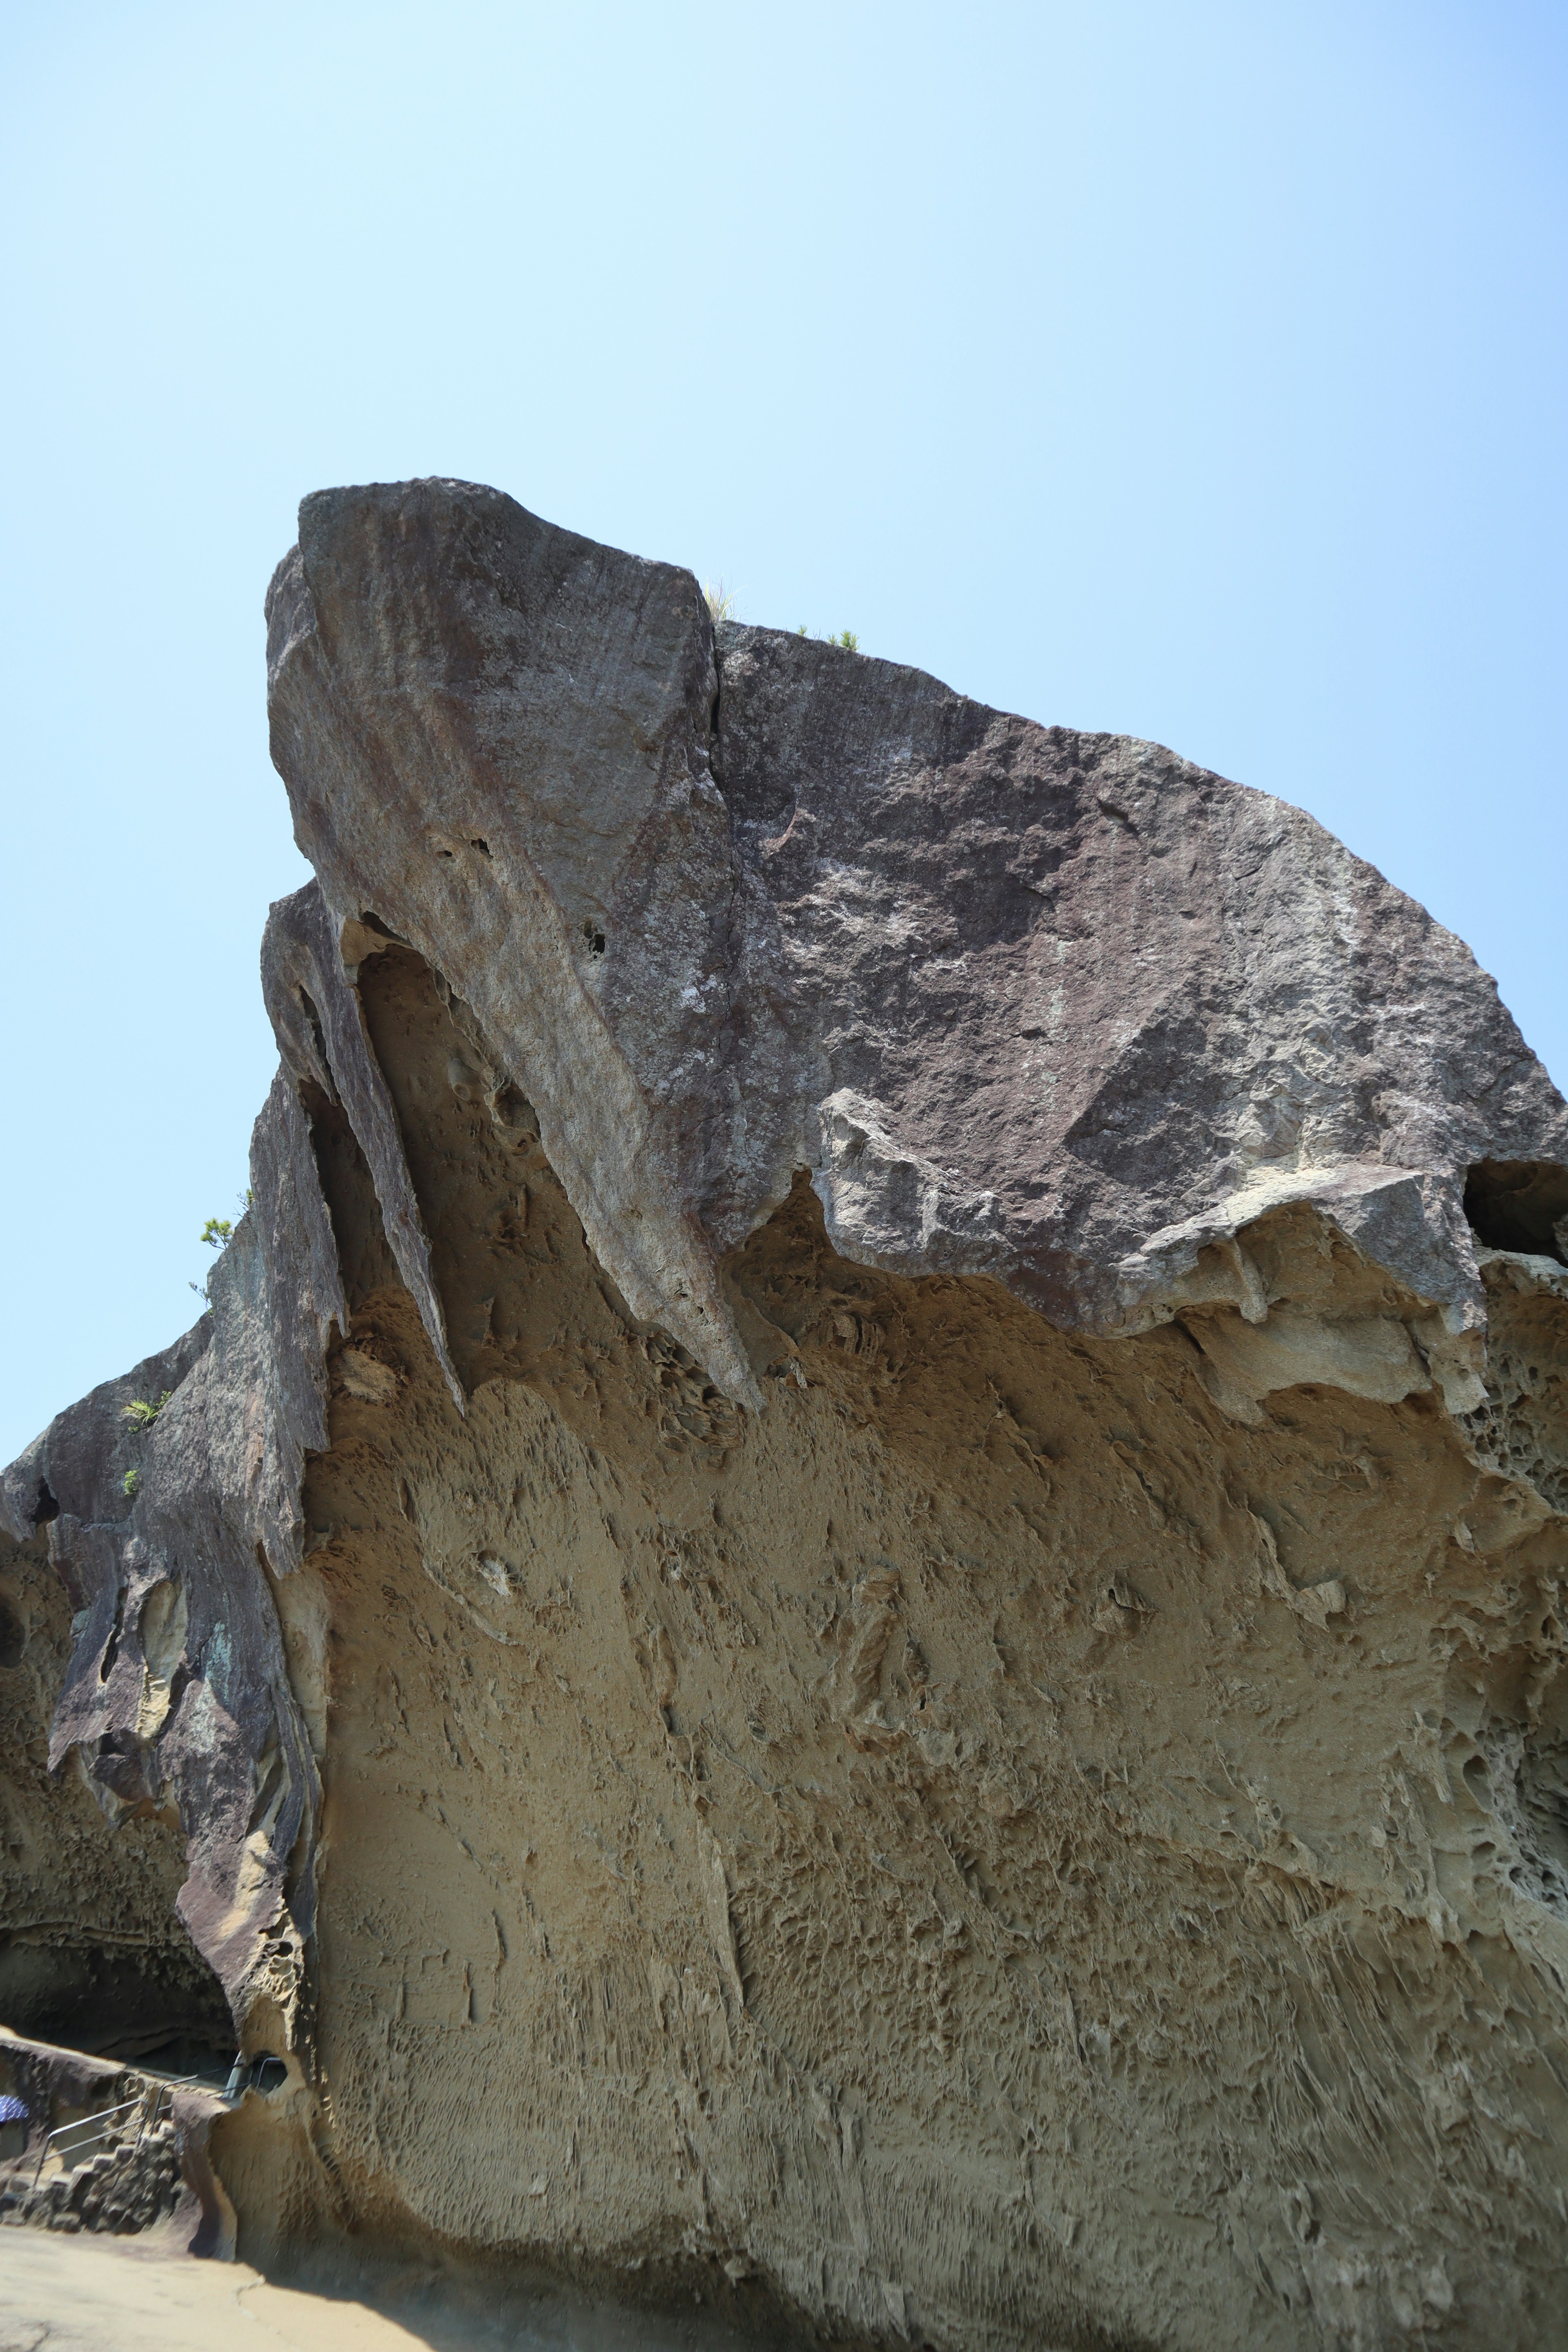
[
  {"x": 91, "y": 2295},
  {"x": 86, "y": 2294}
]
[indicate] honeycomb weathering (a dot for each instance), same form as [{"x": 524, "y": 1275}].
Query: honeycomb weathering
[{"x": 854, "y": 1590}]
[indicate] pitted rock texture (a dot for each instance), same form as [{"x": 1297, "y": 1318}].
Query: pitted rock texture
[{"x": 855, "y": 1595}]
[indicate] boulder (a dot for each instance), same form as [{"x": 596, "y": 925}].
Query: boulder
[{"x": 852, "y": 1599}]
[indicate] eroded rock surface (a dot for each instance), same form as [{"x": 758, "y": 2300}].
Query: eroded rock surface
[
  {"x": 1058, "y": 1008},
  {"x": 855, "y": 1592}
]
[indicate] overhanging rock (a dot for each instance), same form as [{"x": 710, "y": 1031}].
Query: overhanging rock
[
  {"x": 854, "y": 1596},
  {"x": 1058, "y": 1008}
]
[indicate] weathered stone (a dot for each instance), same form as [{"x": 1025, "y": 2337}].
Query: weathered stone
[
  {"x": 1058, "y": 1008},
  {"x": 500, "y": 752},
  {"x": 317, "y": 1016},
  {"x": 177, "y": 1691},
  {"x": 891, "y": 1414}
]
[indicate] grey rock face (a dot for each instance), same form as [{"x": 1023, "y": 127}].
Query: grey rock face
[
  {"x": 1082, "y": 1007},
  {"x": 177, "y": 1691},
  {"x": 496, "y": 738},
  {"x": 318, "y": 1021},
  {"x": 1061, "y": 1009}
]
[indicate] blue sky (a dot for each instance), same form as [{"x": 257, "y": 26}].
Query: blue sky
[{"x": 1193, "y": 371}]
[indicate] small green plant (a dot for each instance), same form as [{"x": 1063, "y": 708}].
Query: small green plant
[
  {"x": 803, "y": 631},
  {"x": 848, "y": 639},
  {"x": 143, "y": 1412},
  {"x": 720, "y": 601},
  {"x": 132, "y": 1480},
  {"x": 217, "y": 1233}
]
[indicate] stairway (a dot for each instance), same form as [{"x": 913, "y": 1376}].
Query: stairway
[{"x": 131, "y": 2179}]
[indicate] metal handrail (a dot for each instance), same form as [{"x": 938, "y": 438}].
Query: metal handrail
[{"x": 102, "y": 2127}]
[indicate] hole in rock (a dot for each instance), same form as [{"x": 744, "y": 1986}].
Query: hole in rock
[
  {"x": 595, "y": 936},
  {"x": 45, "y": 1509},
  {"x": 482, "y": 846},
  {"x": 114, "y": 2001},
  {"x": 308, "y": 1006},
  {"x": 180, "y": 2055},
  {"x": 1517, "y": 1205},
  {"x": 1542, "y": 1789},
  {"x": 111, "y": 1647},
  {"x": 512, "y": 1111},
  {"x": 13, "y": 1636}
]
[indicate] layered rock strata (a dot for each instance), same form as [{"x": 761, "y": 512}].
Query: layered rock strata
[{"x": 855, "y": 1586}]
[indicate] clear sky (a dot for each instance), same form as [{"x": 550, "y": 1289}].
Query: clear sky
[{"x": 1196, "y": 371}]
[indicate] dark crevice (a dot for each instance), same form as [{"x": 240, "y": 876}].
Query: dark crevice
[
  {"x": 45, "y": 1509},
  {"x": 115, "y": 2000},
  {"x": 111, "y": 1647},
  {"x": 308, "y": 1006},
  {"x": 714, "y": 762},
  {"x": 1519, "y": 1205},
  {"x": 349, "y": 1190},
  {"x": 178, "y": 1683},
  {"x": 13, "y": 1636}
]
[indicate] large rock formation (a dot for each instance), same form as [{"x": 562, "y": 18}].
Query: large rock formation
[{"x": 855, "y": 1586}]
